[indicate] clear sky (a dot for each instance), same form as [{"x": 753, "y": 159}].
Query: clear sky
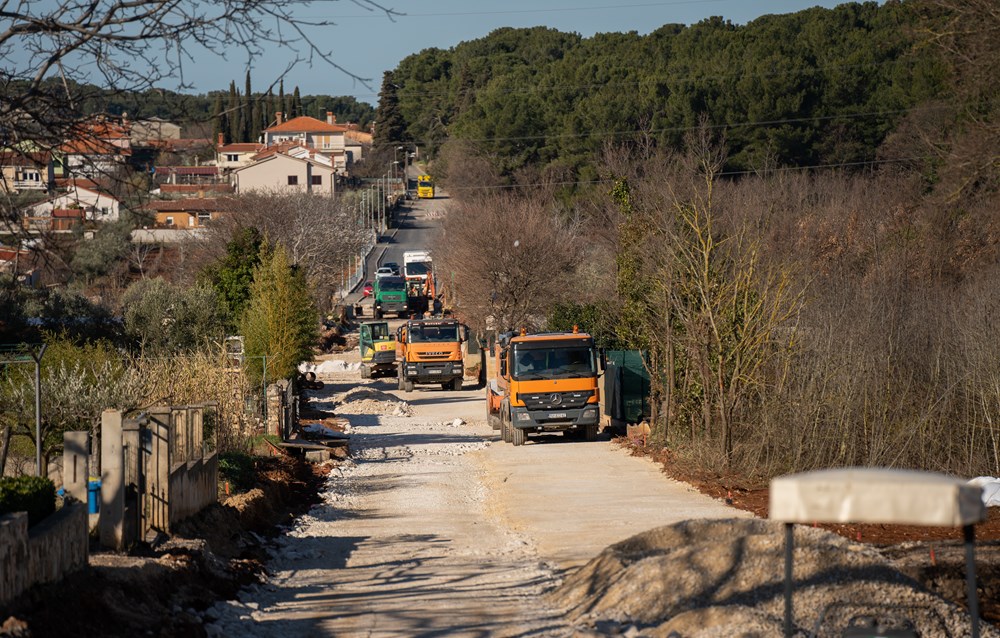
[{"x": 367, "y": 43}]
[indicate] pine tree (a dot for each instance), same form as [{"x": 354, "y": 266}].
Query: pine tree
[
  {"x": 280, "y": 106},
  {"x": 390, "y": 127}
]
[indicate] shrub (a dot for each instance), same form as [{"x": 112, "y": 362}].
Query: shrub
[
  {"x": 238, "y": 469},
  {"x": 32, "y": 494}
]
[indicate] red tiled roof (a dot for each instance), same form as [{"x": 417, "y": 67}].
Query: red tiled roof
[
  {"x": 191, "y": 204},
  {"x": 306, "y": 124},
  {"x": 187, "y": 170},
  {"x": 93, "y": 146},
  {"x": 15, "y": 158},
  {"x": 241, "y": 147},
  {"x": 196, "y": 188}
]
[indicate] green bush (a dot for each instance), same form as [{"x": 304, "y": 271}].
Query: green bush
[
  {"x": 32, "y": 494},
  {"x": 238, "y": 469}
]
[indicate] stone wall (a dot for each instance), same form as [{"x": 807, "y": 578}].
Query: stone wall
[{"x": 55, "y": 547}]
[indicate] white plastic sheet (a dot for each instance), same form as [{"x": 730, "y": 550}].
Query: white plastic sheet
[{"x": 991, "y": 489}]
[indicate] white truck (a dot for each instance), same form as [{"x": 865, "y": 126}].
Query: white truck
[{"x": 419, "y": 276}]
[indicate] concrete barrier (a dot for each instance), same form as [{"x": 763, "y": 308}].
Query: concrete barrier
[{"x": 46, "y": 553}]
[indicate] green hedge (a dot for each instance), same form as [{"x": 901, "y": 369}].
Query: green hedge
[{"x": 32, "y": 494}]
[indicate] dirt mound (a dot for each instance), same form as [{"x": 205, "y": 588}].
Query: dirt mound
[
  {"x": 725, "y": 578},
  {"x": 363, "y": 400}
]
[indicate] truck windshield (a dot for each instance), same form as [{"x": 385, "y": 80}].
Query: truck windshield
[
  {"x": 422, "y": 334},
  {"x": 417, "y": 268},
  {"x": 391, "y": 284},
  {"x": 553, "y": 363}
]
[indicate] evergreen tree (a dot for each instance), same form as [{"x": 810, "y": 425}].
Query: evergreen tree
[
  {"x": 281, "y": 321},
  {"x": 248, "y": 105},
  {"x": 235, "y": 132},
  {"x": 281, "y": 106},
  {"x": 297, "y": 104},
  {"x": 232, "y": 275},
  {"x": 390, "y": 127},
  {"x": 219, "y": 119}
]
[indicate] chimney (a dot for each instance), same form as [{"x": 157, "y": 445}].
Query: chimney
[
  {"x": 330, "y": 119},
  {"x": 277, "y": 117},
  {"x": 222, "y": 140}
]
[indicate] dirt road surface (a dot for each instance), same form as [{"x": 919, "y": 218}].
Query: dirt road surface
[{"x": 436, "y": 527}]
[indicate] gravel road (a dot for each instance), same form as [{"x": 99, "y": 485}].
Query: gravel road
[{"x": 435, "y": 527}]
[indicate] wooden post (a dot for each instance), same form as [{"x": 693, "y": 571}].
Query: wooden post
[{"x": 111, "y": 522}]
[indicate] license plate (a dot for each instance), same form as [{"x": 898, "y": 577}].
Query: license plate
[
  {"x": 434, "y": 371},
  {"x": 558, "y": 415}
]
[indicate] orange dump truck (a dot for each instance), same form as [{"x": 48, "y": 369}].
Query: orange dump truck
[
  {"x": 544, "y": 383},
  {"x": 430, "y": 351}
]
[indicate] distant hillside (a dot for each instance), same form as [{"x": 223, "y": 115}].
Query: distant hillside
[{"x": 816, "y": 87}]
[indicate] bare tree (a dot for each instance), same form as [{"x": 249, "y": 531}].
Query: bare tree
[
  {"x": 321, "y": 234},
  {"x": 508, "y": 257}
]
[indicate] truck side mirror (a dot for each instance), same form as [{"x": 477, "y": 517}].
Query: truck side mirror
[
  {"x": 603, "y": 359},
  {"x": 503, "y": 363},
  {"x": 463, "y": 333}
]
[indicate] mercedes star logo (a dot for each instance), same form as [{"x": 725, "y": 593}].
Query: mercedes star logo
[{"x": 555, "y": 398}]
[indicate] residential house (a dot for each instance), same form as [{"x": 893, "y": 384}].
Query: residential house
[
  {"x": 26, "y": 171},
  {"x": 278, "y": 172},
  {"x": 189, "y": 213},
  {"x": 25, "y": 265},
  {"x": 154, "y": 129},
  {"x": 327, "y": 138},
  {"x": 236, "y": 155},
  {"x": 97, "y": 204},
  {"x": 99, "y": 147},
  {"x": 355, "y": 143}
]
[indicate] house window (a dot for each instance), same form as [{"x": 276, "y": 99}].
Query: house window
[
  {"x": 293, "y": 180},
  {"x": 104, "y": 211},
  {"x": 232, "y": 157},
  {"x": 204, "y": 218},
  {"x": 170, "y": 221},
  {"x": 317, "y": 180}
]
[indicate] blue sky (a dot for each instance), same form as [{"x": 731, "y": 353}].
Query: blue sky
[{"x": 367, "y": 43}]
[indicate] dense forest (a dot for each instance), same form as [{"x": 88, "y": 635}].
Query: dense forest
[{"x": 817, "y": 87}]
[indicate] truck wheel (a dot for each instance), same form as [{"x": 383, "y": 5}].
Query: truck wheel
[
  {"x": 504, "y": 426},
  {"x": 456, "y": 384},
  {"x": 408, "y": 385},
  {"x": 365, "y": 374},
  {"x": 399, "y": 379},
  {"x": 517, "y": 436},
  {"x": 591, "y": 433}
]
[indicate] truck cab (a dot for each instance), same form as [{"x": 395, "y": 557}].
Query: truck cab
[
  {"x": 378, "y": 350},
  {"x": 430, "y": 351},
  {"x": 544, "y": 382},
  {"x": 390, "y": 296}
]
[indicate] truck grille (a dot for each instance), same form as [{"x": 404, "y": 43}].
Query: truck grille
[{"x": 556, "y": 400}]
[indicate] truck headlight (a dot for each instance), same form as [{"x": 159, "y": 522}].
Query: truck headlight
[
  {"x": 590, "y": 413},
  {"x": 523, "y": 416}
]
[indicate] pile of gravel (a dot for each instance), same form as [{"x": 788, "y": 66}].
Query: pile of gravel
[
  {"x": 366, "y": 400},
  {"x": 703, "y": 578}
]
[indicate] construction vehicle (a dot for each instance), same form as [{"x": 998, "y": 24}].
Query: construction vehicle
[
  {"x": 390, "y": 296},
  {"x": 544, "y": 382},
  {"x": 420, "y": 282},
  {"x": 425, "y": 187},
  {"x": 378, "y": 350},
  {"x": 430, "y": 351}
]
